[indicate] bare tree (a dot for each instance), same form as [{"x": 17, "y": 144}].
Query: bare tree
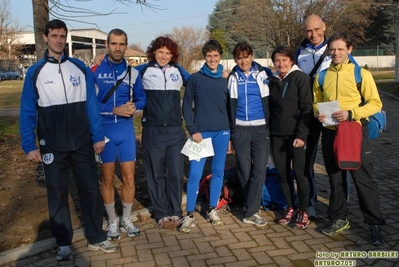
[
  {"x": 268, "y": 23},
  {"x": 9, "y": 33},
  {"x": 190, "y": 41},
  {"x": 40, "y": 18},
  {"x": 43, "y": 8},
  {"x": 137, "y": 47}
]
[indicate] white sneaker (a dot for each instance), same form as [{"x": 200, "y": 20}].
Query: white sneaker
[
  {"x": 255, "y": 220},
  {"x": 135, "y": 218},
  {"x": 113, "y": 230},
  {"x": 128, "y": 227},
  {"x": 106, "y": 246},
  {"x": 188, "y": 222},
  {"x": 213, "y": 217},
  {"x": 64, "y": 253}
]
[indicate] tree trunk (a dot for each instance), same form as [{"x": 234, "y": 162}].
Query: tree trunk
[{"x": 40, "y": 18}]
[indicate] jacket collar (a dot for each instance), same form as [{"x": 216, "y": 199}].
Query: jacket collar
[
  {"x": 49, "y": 59},
  {"x": 306, "y": 44}
]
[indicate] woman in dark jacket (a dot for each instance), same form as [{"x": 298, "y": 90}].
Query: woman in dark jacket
[{"x": 290, "y": 113}]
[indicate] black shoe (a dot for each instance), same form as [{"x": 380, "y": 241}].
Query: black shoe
[
  {"x": 337, "y": 226},
  {"x": 375, "y": 235}
]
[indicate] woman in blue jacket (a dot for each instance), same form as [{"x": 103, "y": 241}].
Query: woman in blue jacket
[
  {"x": 249, "y": 113},
  {"x": 208, "y": 90}
]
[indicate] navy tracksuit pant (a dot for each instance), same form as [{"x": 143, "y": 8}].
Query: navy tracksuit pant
[
  {"x": 164, "y": 168},
  {"x": 56, "y": 168},
  {"x": 251, "y": 145}
]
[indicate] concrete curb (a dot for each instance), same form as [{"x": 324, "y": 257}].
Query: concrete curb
[{"x": 44, "y": 245}]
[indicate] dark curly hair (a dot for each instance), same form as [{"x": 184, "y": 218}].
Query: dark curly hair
[
  {"x": 212, "y": 45},
  {"x": 163, "y": 41}
]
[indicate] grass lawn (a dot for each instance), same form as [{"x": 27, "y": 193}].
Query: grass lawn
[
  {"x": 10, "y": 94},
  {"x": 383, "y": 75}
]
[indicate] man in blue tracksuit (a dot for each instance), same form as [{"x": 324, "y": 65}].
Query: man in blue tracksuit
[
  {"x": 120, "y": 94},
  {"x": 59, "y": 103}
]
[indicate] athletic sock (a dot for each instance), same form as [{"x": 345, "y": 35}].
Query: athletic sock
[
  {"x": 127, "y": 210},
  {"x": 110, "y": 209}
]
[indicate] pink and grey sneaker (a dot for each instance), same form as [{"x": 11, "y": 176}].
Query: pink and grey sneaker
[
  {"x": 175, "y": 220},
  {"x": 289, "y": 214},
  {"x": 302, "y": 220}
]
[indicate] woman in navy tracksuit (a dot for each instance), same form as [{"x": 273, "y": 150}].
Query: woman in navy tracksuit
[
  {"x": 208, "y": 90},
  {"x": 163, "y": 136}
]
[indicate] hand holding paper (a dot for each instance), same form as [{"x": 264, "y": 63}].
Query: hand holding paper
[
  {"x": 196, "y": 151},
  {"x": 328, "y": 108}
]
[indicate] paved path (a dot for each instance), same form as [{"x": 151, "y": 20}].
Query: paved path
[
  {"x": 9, "y": 112},
  {"x": 237, "y": 244}
]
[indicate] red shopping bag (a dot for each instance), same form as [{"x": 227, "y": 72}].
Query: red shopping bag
[{"x": 347, "y": 145}]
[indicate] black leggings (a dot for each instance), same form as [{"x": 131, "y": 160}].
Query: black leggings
[{"x": 284, "y": 153}]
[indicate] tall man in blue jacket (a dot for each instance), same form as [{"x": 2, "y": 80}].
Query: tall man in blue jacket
[
  {"x": 118, "y": 103},
  {"x": 59, "y": 103}
]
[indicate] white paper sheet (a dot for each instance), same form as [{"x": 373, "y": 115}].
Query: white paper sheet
[
  {"x": 328, "y": 108},
  {"x": 196, "y": 151}
]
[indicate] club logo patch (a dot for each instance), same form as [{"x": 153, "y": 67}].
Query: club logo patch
[
  {"x": 174, "y": 77},
  {"x": 74, "y": 80},
  {"x": 42, "y": 142},
  {"x": 48, "y": 158}
]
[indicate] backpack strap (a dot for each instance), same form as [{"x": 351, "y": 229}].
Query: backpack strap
[
  {"x": 112, "y": 90},
  {"x": 358, "y": 79},
  {"x": 129, "y": 70},
  {"x": 321, "y": 78},
  {"x": 316, "y": 67}
]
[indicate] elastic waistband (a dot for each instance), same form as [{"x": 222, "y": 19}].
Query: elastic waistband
[{"x": 251, "y": 128}]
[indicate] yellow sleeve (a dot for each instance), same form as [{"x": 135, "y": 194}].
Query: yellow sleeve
[
  {"x": 317, "y": 95},
  {"x": 371, "y": 96}
]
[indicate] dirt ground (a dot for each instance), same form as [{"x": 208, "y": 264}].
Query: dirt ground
[{"x": 23, "y": 198}]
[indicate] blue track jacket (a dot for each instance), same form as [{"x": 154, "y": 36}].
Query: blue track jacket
[
  {"x": 105, "y": 78},
  {"x": 59, "y": 101}
]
